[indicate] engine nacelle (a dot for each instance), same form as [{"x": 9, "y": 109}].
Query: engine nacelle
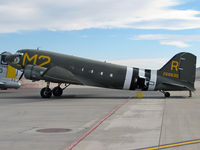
[{"x": 34, "y": 72}]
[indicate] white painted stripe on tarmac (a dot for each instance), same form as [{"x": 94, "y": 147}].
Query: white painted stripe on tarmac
[{"x": 128, "y": 78}]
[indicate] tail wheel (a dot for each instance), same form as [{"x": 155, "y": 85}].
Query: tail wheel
[
  {"x": 57, "y": 91},
  {"x": 46, "y": 92},
  {"x": 167, "y": 94}
]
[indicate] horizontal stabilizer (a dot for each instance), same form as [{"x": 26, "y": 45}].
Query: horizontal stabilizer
[{"x": 190, "y": 88}]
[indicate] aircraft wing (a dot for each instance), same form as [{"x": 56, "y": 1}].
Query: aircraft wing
[
  {"x": 58, "y": 74},
  {"x": 61, "y": 75}
]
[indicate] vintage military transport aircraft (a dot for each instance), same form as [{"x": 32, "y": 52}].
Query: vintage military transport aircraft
[{"x": 177, "y": 75}]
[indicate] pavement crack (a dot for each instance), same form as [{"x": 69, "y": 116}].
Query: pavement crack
[
  {"x": 30, "y": 129},
  {"x": 161, "y": 128}
]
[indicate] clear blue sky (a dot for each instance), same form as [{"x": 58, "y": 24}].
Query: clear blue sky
[{"x": 103, "y": 30}]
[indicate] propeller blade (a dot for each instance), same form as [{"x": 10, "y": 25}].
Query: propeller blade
[{"x": 21, "y": 76}]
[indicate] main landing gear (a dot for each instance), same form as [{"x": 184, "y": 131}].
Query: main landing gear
[
  {"x": 166, "y": 94},
  {"x": 57, "y": 91}
]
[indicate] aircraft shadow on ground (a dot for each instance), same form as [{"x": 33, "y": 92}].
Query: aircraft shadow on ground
[{"x": 90, "y": 96}]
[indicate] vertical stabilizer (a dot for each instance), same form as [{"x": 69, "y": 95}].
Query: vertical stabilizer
[{"x": 181, "y": 67}]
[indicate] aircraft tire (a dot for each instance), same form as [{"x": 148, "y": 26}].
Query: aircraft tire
[
  {"x": 46, "y": 92},
  {"x": 57, "y": 91},
  {"x": 167, "y": 94}
]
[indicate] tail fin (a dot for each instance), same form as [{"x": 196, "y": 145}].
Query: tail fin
[{"x": 181, "y": 67}]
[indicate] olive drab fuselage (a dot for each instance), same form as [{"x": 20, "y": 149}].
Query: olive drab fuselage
[{"x": 102, "y": 74}]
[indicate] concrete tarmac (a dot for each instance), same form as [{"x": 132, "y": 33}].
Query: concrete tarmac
[{"x": 140, "y": 123}]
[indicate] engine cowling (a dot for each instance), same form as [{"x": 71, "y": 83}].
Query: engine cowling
[{"x": 34, "y": 73}]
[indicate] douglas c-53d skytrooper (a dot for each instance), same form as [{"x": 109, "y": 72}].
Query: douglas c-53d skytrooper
[{"x": 177, "y": 75}]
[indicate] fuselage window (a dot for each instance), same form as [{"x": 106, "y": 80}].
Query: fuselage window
[
  {"x": 82, "y": 69},
  {"x": 92, "y": 71},
  {"x": 101, "y": 73},
  {"x": 111, "y": 75}
]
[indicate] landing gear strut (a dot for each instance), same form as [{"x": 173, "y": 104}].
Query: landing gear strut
[
  {"x": 190, "y": 93},
  {"x": 166, "y": 94},
  {"x": 46, "y": 91}
]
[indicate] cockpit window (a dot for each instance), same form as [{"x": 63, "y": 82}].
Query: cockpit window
[{"x": 17, "y": 59}]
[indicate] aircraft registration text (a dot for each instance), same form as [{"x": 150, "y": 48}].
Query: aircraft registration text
[
  {"x": 47, "y": 59},
  {"x": 168, "y": 74}
]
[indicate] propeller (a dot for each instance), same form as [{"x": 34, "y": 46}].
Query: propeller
[
  {"x": 21, "y": 76},
  {"x": 22, "y": 70}
]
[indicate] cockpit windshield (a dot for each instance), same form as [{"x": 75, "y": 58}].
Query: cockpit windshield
[
  {"x": 17, "y": 58},
  {"x": 19, "y": 53}
]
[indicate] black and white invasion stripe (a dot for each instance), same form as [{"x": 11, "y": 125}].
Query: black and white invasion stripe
[{"x": 132, "y": 75}]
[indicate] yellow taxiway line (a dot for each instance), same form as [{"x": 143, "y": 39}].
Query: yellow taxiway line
[{"x": 173, "y": 145}]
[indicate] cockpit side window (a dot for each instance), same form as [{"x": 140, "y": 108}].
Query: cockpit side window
[{"x": 18, "y": 57}]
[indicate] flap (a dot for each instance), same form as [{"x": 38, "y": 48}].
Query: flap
[{"x": 60, "y": 75}]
